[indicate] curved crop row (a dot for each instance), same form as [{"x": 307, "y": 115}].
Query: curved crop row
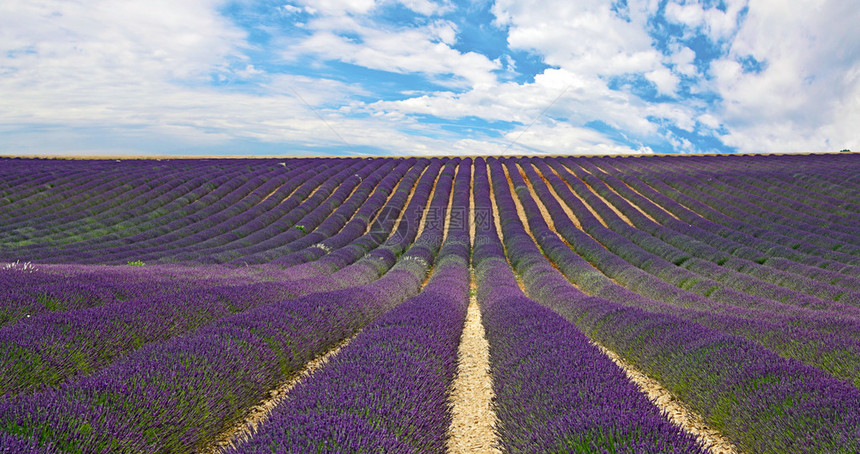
[
  {"x": 758, "y": 399},
  {"x": 151, "y": 305},
  {"x": 555, "y": 391},
  {"x": 387, "y": 390}
]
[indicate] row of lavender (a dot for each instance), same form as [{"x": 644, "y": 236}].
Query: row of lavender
[
  {"x": 713, "y": 360},
  {"x": 387, "y": 391},
  {"x": 817, "y": 332},
  {"x": 49, "y": 348},
  {"x": 179, "y": 393},
  {"x": 221, "y": 220},
  {"x": 532, "y": 375},
  {"x": 628, "y": 255}
]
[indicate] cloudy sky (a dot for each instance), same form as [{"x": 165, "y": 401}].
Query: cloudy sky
[{"x": 428, "y": 76}]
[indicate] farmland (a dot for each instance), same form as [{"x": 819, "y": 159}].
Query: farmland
[{"x": 185, "y": 305}]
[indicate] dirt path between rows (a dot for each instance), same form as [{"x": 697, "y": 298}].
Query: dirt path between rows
[
  {"x": 605, "y": 166},
  {"x": 473, "y": 418},
  {"x": 425, "y": 210},
  {"x": 629, "y": 202},
  {"x": 584, "y": 202},
  {"x": 672, "y": 408},
  {"x": 402, "y": 213},
  {"x": 609, "y": 205},
  {"x": 259, "y": 413}
]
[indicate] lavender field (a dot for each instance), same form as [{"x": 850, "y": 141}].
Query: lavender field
[{"x": 165, "y": 305}]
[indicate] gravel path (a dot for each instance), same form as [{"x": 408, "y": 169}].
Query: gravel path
[
  {"x": 471, "y": 430},
  {"x": 260, "y": 413},
  {"x": 674, "y": 409}
]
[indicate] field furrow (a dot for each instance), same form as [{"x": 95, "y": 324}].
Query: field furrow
[{"x": 503, "y": 304}]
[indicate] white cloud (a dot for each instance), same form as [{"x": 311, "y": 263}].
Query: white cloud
[
  {"x": 427, "y": 7},
  {"x": 682, "y": 59},
  {"x": 426, "y": 50},
  {"x": 807, "y": 97},
  {"x": 183, "y": 71},
  {"x": 665, "y": 81},
  {"x": 151, "y": 67},
  {"x": 691, "y": 15},
  {"x": 709, "y": 121},
  {"x": 716, "y": 23},
  {"x": 568, "y": 97},
  {"x": 292, "y": 9},
  {"x": 585, "y": 35},
  {"x": 340, "y": 7},
  {"x": 103, "y": 61},
  {"x": 317, "y": 92},
  {"x": 363, "y": 7},
  {"x": 589, "y": 44},
  {"x": 142, "y": 73},
  {"x": 562, "y": 138}
]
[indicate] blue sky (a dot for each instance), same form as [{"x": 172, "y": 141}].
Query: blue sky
[{"x": 425, "y": 77}]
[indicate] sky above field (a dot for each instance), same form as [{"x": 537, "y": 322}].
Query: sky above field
[{"x": 428, "y": 77}]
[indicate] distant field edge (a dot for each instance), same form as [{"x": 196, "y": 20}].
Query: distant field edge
[{"x": 317, "y": 156}]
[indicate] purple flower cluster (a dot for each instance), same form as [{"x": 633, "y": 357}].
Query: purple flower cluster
[
  {"x": 387, "y": 391},
  {"x": 734, "y": 222},
  {"x": 824, "y": 339},
  {"x": 176, "y": 395},
  {"x": 758, "y": 399},
  {"x": 734, "y": 281},
  {"x": 555, "y": 391}
]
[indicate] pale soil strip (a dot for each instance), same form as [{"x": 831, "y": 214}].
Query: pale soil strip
[
  {"x": 545, "y": 213},
  {"x": 473, "y": 418},
  {"x": 259, "y": 414},
  {"x": 541, "y": 207},
  {"x": 677, "y": 413},
  {"x": 690, "y": 210},
  {"x": 629, "y": 202},
  {"x": 405, "y": 204},
  {"x": 471, "y": 397},
  {"x": 561, "y": 237},
  {"x": 655, "y": 203},
  {"x": 314, "y": 191},
  {"x": 273, "y": 193},
  {"x": 472, "y": 205},
  {"x": 276, "y": 190},
  {"x": 494, "y": 209},
  {"x": 644, "y": 197},
  {"x": 286, "y": 196},
  {"x": 591, "y": 210},
  {"x": 551, "y": 225},
  {"x": 521, "y": 212},
  {"x": 269, "y": 195},
  {"x": 351, "y": 192},
  {"x": 606, "y": 202},
  {"x": 497, "y": 217},
  {"x": 426, "y": 208},
  {"x": 402, "y": 211},
  {"x": 563, "y": 205},
  {"x": 444, "y": 227},
  {"x": 521, "y": 283},
  {"x": 451, "y": 208}
]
